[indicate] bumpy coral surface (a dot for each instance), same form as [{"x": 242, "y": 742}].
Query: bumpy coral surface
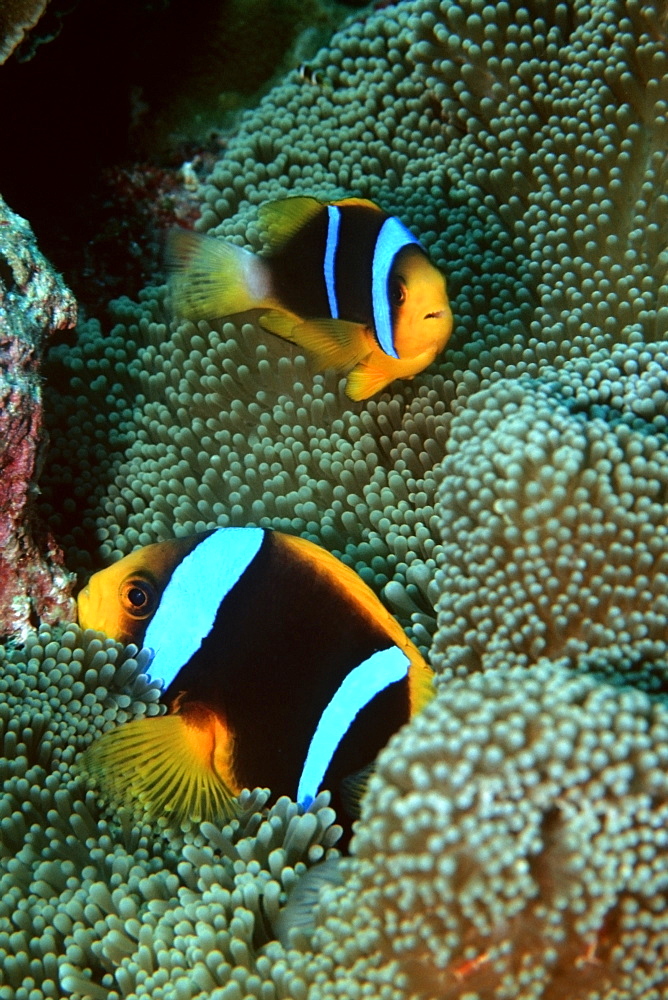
[
  {"x": 34, "y": 303},
  {"x": 553, "y": 515},
  {"x": 512, "y": 845}
]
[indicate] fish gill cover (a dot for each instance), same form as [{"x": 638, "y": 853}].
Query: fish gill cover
[{"x": 510, "y": 503}]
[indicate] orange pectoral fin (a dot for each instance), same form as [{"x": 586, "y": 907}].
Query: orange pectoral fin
[
  {"x": 177, "y": 766},
  {"x": 330, "y": 343},
  {"x": 377, "y": 370}
]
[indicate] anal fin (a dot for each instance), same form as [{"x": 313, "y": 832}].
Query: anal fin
[{"x": 366, "y": 379}]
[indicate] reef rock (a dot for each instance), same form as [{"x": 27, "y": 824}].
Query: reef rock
[
  {"x": 34, "y": 302},
  {"x": 16, "y": 20}
]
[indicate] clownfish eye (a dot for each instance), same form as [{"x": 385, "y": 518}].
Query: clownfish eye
[
  {"x": 397, "y": 291},
  {"x": 139, "y": 598}
]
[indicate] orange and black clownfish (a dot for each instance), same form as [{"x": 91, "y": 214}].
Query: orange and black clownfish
[
  {"x": 348, "y": 283},
  {"x": 280, "y": 667}
]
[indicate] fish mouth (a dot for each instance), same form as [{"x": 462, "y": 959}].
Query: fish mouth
[{"x": 439, "y": 314}]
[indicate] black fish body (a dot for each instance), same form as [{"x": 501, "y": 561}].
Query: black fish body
[{"x": 279, "y": 666}]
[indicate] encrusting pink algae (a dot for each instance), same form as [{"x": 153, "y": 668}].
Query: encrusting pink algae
[{"x": 34, "y": 304}]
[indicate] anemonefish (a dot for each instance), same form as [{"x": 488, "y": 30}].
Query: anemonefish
[
  {"x": 307, "y": 74},
  {"x": 348, "y": 283},
  {"x": 279, "y": 666}
]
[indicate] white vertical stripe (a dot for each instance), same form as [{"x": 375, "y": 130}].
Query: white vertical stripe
[
  {"x": 357, "y": 689},
  {"x": 190, "y": 601},
  {"x": 392, "y": 238},
  {"x": 333, "y": 223}
]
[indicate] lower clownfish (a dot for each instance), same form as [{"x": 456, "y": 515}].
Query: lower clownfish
[
  {"x": 348, "y": 283},
  {"x": 279, "y": 667}
]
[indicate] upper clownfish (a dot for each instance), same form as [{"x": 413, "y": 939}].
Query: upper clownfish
[
  {"x": 279, "y": 666},
  {"x": 348, "y": 283}
]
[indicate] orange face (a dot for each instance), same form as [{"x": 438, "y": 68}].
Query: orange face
[
  {"x": 422, "y": 318},
  {"x": 121, "y": 599}
]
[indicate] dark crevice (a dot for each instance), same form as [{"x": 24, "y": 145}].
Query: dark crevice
[{"x": 7, "y": 280}]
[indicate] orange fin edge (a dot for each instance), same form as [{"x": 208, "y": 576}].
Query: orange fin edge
[
  {"x": 169, "y": 765},
  {"x": 361, "y": 202}
]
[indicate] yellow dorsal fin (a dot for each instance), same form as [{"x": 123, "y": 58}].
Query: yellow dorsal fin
[
  {"x": 331, "y": 343},
  {"x": 361, "y": 202},
  {"x": 365, "y": 380},
  {"x": 176, "y": 766},
  {"x": 279, "y": 220}
]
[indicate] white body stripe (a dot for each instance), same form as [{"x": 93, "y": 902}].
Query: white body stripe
[
  {"x": 333, "y": 223},
  {"x": 190, "y": 601},
  {"x": 392, "y": 238},
  {"x": 357, "y": 689}
]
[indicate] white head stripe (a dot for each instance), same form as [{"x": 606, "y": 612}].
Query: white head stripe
[
  {"x": 333, "y": 223},
  {"x": 190, "y": 601},
  {"x": 392, "y": 238},
  {"x": 357, "y": 689}
]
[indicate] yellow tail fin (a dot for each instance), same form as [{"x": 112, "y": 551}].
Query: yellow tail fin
[
  {"x": 211, "y": 278},
  {"x": 176, "y": 766}
]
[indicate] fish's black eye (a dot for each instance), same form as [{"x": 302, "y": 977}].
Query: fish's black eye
[
  {"x": 139, "y": 598},
  {"x": 397, "y": 292}
]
